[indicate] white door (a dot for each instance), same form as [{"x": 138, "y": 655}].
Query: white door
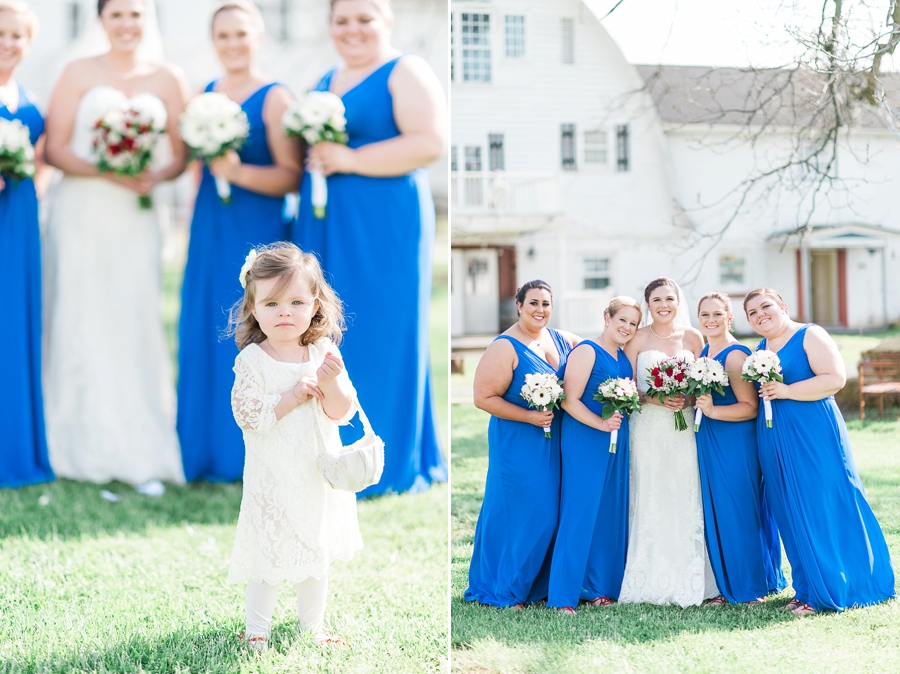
[{"x": 482, "y": 292}]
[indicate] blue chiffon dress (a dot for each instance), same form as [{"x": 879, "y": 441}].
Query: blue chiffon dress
[
  {"x": 212, "y": 446},
  {"x": 375, "y": 244},
  {"x": 515, "y": 529},
  {"x": 23, "y": 449},
  {"x": 838, "y": 555},
  {"x": 592, "y": 540},
  {"x": 741, "y": 536}
]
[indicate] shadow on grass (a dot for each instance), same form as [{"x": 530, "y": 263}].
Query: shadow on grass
[
  {"x": 214, "y": 650},
  {"x": 76, "y": 509},
  {"x": 620, "y": 624}
]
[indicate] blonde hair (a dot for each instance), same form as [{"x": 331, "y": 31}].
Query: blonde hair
[
  {"x": 716, "y": 295},
  {"x": 763, "y": 291},
  {"x": 244, "y": 6},
  {"x": 22, "y": 9},
  {"x": 384, "y": 5},
  {"x": 285, "y": 261},
  {"x": 618, "y": 303}
]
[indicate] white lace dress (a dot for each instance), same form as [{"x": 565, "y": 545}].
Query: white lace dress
[
  {"x": 108, "y": 389},
  {"x": 667, "y": 562},
  {"x": 292, "y": 524}
]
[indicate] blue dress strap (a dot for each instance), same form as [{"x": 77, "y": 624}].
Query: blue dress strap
[
  {"x": 210, "y": 87},
  {"x": 562, "y": 344},
  {"x": 728, "y": 349}
]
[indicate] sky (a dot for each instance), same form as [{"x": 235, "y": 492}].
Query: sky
[{"x": 717, "y": 32}]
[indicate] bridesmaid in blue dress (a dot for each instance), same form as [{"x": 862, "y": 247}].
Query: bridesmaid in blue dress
[
  {"x": 265, "y": 169},
  {"x": 23, "y": 450},
  {"x": 376, "y": 239},
  {"x": 741, "y": 536},
  {"x": 514, "y": 533},
  {"x": 589, "y": 552},
  {"x": 838, "y": 555}
]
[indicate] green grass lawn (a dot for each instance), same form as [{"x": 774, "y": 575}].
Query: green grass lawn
[
  {"x": 644, "y": 638},
  {"x": 139, "y": 586}
]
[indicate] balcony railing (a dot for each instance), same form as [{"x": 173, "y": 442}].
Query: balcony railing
[{"x": 503, "y": 193}]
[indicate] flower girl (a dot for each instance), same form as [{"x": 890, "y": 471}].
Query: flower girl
[{"x": 290, "y": 393}]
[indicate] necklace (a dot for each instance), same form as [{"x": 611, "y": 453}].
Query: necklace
[
  {"x": 660, "y": 336},
  {"x": 275, "y": 351},
  {"x": 124, "y": 75},
  {"x": 536, "y": 342},
  {"x": 614, "y": 352}
]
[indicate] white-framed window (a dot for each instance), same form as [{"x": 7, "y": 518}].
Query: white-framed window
[
  {"x": 567, "y": 147},
  {"x": 476, "y": 46},
  {"x": 473, "y": 188},
  {"x": 76, "y": 20},
  {"x": 623, "y": 148},
  {"x": 596, "y": 273},
  {"x": 277, "y": 15},
  {"x": 732, "y": 269},
  {"x": 515, "y": 35},
  {"x": 454, "y": 158},
  {"x": 596, "y": 146},
  {"x": 568, "y": 41}
]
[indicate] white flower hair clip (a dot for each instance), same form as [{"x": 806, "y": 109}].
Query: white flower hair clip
[{"x": 248, "y": 265}]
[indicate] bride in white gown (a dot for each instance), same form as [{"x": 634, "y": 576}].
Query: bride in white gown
[
  {"x": 109, "y": 395},
  {"x": 667, "y": 562}
]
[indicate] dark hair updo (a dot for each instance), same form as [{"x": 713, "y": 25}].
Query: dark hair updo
[
  {"x": 100, "y": 5},
  {"x": 658, "y": 283},
  {"x": 537, "y": 284}
]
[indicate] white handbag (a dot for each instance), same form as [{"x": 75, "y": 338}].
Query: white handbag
[{"x": 355, "y": 466}]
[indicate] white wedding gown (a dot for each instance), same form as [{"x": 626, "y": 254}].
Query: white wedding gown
[
  {"x": 667, "y": 562},
  {"x": 108, "y": 391}
]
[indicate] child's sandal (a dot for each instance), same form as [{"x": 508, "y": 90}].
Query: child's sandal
[
  {"x": 258, "y": 643},
  {"x": 324, "y": 639}
]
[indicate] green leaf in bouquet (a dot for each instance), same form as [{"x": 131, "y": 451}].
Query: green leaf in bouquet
[{"x": 608, "y": 411}]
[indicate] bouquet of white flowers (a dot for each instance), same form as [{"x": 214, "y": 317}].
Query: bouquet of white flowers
[
  {"x": 16, "y": 150},
  {"x": 617, "y": 395},
  {"x": 543, "y": 392},
  {"x": 124, "y": 139},
  {"x": 317, "y": 117},
  {"x": 211, "y": 125},
  {"x": 763, "y": 367},
  {"x": 705, "y": 376}
]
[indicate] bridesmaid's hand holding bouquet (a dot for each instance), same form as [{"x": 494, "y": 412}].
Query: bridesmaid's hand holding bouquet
[
  {"x": 317, "y": 118},
  {"x": 617, "y": 395},
  {"x": 543, "y": 392},
  {"x": 16, "y": 151},
  {"x": 706, "y": 375},
  {"x": 212, "y": 125},
  {"x": 763, "y": 367}
]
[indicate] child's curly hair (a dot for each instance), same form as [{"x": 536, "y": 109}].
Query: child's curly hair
[{"x": 286, "y": 261}]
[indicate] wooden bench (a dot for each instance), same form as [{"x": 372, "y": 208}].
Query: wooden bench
[{"x": 879, "y": 375}]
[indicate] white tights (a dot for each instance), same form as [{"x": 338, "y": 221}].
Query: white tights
[{"x": 261, "y": 598}]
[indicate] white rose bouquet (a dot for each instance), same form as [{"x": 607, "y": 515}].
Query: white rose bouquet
[
  {"x": 617, "y": 395},
  {"x": 317, "y": 117},
  {"x": 763, "y": 367},
  {"x": 16, "y": 150},
  {"x": 706, "y": 375},
  {"x": 123, "y": 142},
  {"x": 668, "y": 378},
  {"x": 211, "y": 125},
  {"x": 543, "y": 392}
]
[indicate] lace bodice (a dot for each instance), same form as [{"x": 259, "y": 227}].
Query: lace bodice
[
  {"x": 99, "y": 100},
  {"x": 292, "y": 524}
]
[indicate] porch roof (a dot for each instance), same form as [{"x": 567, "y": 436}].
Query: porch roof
[{"x": 845, "y": 235}]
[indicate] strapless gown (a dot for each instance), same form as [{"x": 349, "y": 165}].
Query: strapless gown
[
  {"x": 108, "y": 387},
  {"x": 667, "y": 561}
]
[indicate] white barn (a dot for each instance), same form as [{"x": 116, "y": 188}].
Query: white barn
[{"x": 566, "y": 167}]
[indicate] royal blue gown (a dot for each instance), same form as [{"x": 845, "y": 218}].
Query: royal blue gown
[
  {"x": 741, "y": 536},
  {"x": 375, "y": 244},
  {"x": 515, "y": 529},
  {"x": 592, "y": 540},
  {"x": 212, "y": 447},
  {"x": 23, "y": 448},
  {"x": 838, "y": 555}
]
